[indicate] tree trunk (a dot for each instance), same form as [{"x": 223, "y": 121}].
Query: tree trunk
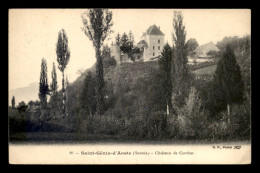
[
  {"x": 89, "y": 110},
  {"x": 228, "y": 112},
  {"x": 100, "y": 83},
  {"x": 167, "y": 111},
  {"x": 63, "y": 96}
]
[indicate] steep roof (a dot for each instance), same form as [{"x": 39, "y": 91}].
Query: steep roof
[{"x": 153, "y": 30}]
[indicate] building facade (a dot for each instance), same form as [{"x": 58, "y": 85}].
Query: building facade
[
  {"x": 152, "y": 42},
  {"x": 150, "y": 46}
]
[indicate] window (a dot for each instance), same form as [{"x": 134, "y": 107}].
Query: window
[
  {"x": 153, "y": 47},
  {"x": 153, "y": 53},
  {"x": 158, "y": 47},
  {"x": 158, "y": 41}
]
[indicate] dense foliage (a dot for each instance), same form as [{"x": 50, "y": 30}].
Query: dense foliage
[
  {"x": 191, "y": 45},
  {"x": 165, "y": 75},
  {"x": 97, "y": 26},
  {"x": 63, "y": 57},
  {"x": 228, "y": 79},
  {"x": 181, "y": 76},
  {"x": 135, "y": 96},
  {"x": 43, "y": 88}
]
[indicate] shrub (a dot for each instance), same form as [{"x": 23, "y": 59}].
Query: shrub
[
  {"x": 157, "y": 125},
  {"x": 104, "y": 124},
  {"x": 136, "y": 127},
  {"x": 172, "y": 126},
  {"x": 147, "y": 125},
  {"x": 238, "y": 128},
  {"x": 192, "y": 118},
  {"x": 109, "y": 61},
  {"x": 240, "y": 121}
]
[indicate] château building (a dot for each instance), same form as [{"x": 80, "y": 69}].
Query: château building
[{"x": 150, "y": 46}]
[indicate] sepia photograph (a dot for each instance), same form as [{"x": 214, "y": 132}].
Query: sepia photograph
[{"x": 129, "y": 86}]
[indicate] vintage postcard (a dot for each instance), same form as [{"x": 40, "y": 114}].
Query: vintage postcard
[{"x": 129, "y": 86}]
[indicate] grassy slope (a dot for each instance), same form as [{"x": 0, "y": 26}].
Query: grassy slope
[
  {"x": 131, "y": 73},
  {"x": 129, "y": 77},
  {"x": 128, "y": 74},
  {"x": 209, "y": 70},
  {"x": 125, "y": 79}
]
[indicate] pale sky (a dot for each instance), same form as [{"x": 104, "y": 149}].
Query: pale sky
[{"x": 33, "y": 34}]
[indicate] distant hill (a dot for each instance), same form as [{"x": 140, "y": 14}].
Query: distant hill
[
  {"x": 202, "y": 50},
  {"x": 25, "y": 94}
]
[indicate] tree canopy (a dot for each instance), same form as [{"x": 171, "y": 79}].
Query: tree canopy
[
  {"x": 165, "y": 64},
  {"x": 181, "y": 73},
  {"x": 62, "y": 50},
  {"x": 228, "y": 78},
  {"x": 43, "y": 86},
  {"x": 191, "y": 45},
  {"x": 63, "y": 57},
  {"x": 97, "y": 27}
]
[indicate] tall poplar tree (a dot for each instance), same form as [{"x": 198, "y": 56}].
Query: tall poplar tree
[
  {"x": 228, "y": 80},
  {"x": 54, "y": 88},
  {"x": 54, "y": 83},
  {"x": 63, "y": 57},
  {"x": 165, "y": 64},
  {"x": 43, "y": 87},
  {"x": 97, "y": 27},
  {"x": 180, "y": 89}
]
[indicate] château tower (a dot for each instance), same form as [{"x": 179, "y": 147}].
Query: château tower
[
  {"x": 150, "y": 46},
  {"x": 153, "y": 39}
]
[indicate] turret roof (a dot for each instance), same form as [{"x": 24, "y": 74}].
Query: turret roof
[
  {"x": 143, "y": 42},
  {"x": 153, "y": 30}
]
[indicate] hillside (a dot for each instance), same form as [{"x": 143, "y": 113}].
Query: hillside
[
  {"x": 129, "y": 74},
  {"x": 203, "y": 49},
  {"x": 25, "y": 94},
  {"x": 209, "y": 70},
  {"x": 129, "y": 77},
  {"x": 124, "y": 84}
]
